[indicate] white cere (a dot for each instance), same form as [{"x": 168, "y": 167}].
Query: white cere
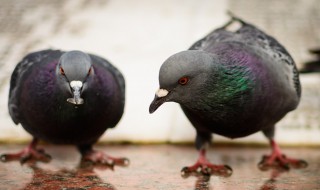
[
  {"x": 76, "y": 83},
  {"x": 162, "y": 93}
]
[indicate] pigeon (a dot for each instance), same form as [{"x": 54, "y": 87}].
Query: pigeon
[
  {"x": 66, "y": 98},
  {"x": 234, "y": 82}
]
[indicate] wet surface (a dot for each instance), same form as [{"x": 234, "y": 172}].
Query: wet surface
[{"x": 157, "y": 167}]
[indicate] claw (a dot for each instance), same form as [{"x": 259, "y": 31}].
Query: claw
[
  {"x": 227, "y": 172},
  {"x": 25, "y": 158},
  {"x": 122, "y": 162},
  {"x": 300, "y": 164},
  {"x": 262, "y": 166},
  {"x": 46, "y": 158},
  {"x": 185, "y": 172},
  {"x": 3, "y": 158},
  {"x": 109, "y": 162},
  {"x": 126, "y": 162}
]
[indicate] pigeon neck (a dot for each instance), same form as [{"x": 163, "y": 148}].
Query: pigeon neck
[{"x": 231, "y": 87}]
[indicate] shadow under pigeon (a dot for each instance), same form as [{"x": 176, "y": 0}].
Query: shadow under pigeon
[{"x": 82, "y": 177}]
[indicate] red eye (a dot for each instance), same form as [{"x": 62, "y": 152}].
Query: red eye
[
  {"x": 183, "y": 80},
  {"x": 61, "y": 71}
]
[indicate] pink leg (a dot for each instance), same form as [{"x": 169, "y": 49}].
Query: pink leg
[
  {"x": 28, "y": 153},
  {"x": 277, "y": 159},
  {"x": 204, "y": 167},
  {"x": 99, "y": 157}
]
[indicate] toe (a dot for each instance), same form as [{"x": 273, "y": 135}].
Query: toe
[
  {"x": 45, "y": 157},
  {"x": 222, "y": 171},
  {"x": 227, "y": 171},
  {"x": 126, "y": 162},
  {"x": 263, "y": 166},
  {"x": 25, "y": 158},
  {"x": 300, "y": 164},
  {"x": 185, "y": 172},
  {"x": 109, "y": 162},
  {"x": 4, "y": 158},
  {"x": 122, "y": 162}
]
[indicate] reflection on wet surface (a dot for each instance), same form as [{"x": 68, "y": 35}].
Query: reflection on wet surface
[
  {"x": 82, "y": 177},
  {"x": 203, "y": 181},
  {"x": 157, "y": 167},
  {"x": 271, "y": 183}
]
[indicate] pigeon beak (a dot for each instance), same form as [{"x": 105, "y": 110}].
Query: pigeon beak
[
  {"x": 158, "y": 100},
  {"x": 76, "y": 87}
]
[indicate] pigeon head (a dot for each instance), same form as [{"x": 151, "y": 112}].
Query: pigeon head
[
  {"x": 74, "y": 70},
  {"x": 181, "y": 77}
]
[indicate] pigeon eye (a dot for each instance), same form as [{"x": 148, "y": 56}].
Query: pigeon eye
[
  {"x": 183, "y": 80},
  {"x": 61, "y": 71}
]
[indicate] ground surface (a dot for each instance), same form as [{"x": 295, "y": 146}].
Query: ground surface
[{"x": 157, "y": 167}]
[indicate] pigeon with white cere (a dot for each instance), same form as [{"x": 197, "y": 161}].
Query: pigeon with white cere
[
  {"x": 66, "y": 98},
  {"x": 233, "y": 83}
]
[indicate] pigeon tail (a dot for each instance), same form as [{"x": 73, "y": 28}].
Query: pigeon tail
[
  {"x": 235, "y": 18},
  {"x": 234, "y": 24}
]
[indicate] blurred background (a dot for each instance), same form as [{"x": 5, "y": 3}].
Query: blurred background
[{"x": 138, "y": 35}]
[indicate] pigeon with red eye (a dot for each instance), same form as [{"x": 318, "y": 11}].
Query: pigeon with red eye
[
  {"x": 232, "y": 83},
  {"x": 66, "y": 98}
]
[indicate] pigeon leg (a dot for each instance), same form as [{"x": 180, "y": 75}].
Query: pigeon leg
[
  {"x": 277, "y": 159},
  {"x": 99, "y": 157},
  {"x": 28, "y": 153},
  {"x": 204, "y": 167}
]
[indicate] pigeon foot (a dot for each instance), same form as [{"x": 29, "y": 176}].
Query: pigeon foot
[
  {"x": 98, "y": 157},
  {"x": 206, "y": 169},
  {"x": 30, "y": 153},
  {"x": 280, "y": 161}
]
